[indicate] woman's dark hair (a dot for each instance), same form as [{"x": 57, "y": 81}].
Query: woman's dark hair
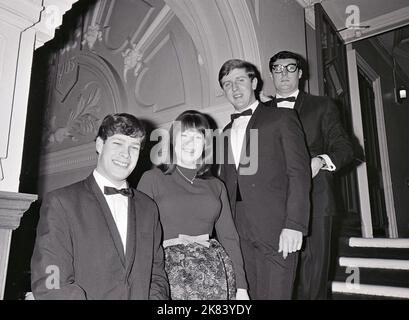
[
  {"x": 191, "y": 119},
  {"x": 121, "y": 123}
]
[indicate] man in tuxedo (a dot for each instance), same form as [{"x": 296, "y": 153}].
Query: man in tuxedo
[
  {"x": 268, "y": 188},
  {"x": 98, "y": 238},
  {"x": 330, "y": 149}
]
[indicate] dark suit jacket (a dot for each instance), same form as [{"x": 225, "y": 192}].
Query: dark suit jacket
[
  {"x": 77, "y": 234},
  {"x": 324, "y": 133},
  {"x": 276, "y": 196}
]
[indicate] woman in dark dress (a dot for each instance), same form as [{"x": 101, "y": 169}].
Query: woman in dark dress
[{"x": 192, "y": 204}]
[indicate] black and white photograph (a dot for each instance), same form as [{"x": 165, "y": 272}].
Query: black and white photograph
[{"x": 209, "y": 154}]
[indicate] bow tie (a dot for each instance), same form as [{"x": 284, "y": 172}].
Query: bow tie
[
  {"x": 289, "y": 99},
  {"x": 247, "y": 112},
  {"x": 127, "y": 192}
]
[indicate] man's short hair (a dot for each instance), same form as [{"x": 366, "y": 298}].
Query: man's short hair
[
  {"x": 121, "y": 123},
  {"x": 286, "y": 55},
  {"x": 250, "y": 69}
]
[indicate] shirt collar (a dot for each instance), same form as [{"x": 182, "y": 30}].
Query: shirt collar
[
  {"x": 104, "y": 182},
  {"x": 253, "y": 107},
  {"x": 294, "y": 94}
]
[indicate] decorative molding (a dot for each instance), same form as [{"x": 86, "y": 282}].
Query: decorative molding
[
  {"x": 69, "y": 159},
  {"x": 383, "y": 145},
  {"x": 167, "y": 39},
  {"x": 92, "y": 34},
  {"x": 83, "y": 118},
  {"x": 132, "y": 60},
  {"x": 362, "y": 173},
  {"x": 133, "y": 55},
  {"x": 88, "y": 109},
  {"x": 128, "y": 42},
  {"x": 22, "y": 14},
  {"x": 51, "y": 18},
  {"x": 310, "y": 17},
  {"x": 2, "y": 51},
  {"x": 12, "y": 207},
  {"x": 257, "y": 10},
  {"x": 245, "y": 28},
  {"x": 380, "y": 24},
  {"x": 309, "y": 12}
]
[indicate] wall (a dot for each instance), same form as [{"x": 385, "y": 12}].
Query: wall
[
  {"x": 281, "y": 27},
  {"x": 151, "y": 58},
  {"x": 397, "y": 131}
]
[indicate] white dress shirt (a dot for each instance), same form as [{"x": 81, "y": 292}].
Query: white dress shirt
[
  {"x": 329, "y": 165},
  {"x": 118, "y": 204},
  {"x": 238, "y": 130}
]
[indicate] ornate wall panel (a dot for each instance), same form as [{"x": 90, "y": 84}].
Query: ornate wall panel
[{"x": 151, "y": 58}]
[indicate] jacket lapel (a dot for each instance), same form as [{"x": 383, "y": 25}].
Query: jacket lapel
[
  {"x": 113, "y": 230},
  {"x": 299, "y": 102},
  {"x": 229, "y": 158},
  {"x": 133, "y": 208}
]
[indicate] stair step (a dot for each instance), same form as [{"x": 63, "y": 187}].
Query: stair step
[
  {"x": 369, "y": 290},
  {"x": 379, "y": 243},
  {"x": 349, "y": 296},
  {"x": 374, "y": 263},
  {"x": 387, "y": 277},
  {"x": 385, "y": 249}
]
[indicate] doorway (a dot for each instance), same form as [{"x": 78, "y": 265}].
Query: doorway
[{"x": 372, "y": 156}]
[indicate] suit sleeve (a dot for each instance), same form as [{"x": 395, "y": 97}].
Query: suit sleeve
[
  {"x": 298, "y": 172},
  {"x": 52, "y": 263},
  {"x": 145, "y": 184},
  {"x": 337, "y": 143},
  {"x": 229, "y": 238},
  {"x": 159, "y": 289}
]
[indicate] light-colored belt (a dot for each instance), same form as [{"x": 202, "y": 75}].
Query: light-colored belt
[{"x": 202, "y": 239}]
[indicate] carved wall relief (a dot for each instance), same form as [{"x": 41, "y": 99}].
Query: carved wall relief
[{"x": 86, "y": 90}]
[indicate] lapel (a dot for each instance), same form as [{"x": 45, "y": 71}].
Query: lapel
[
  {"x": 228, "y": 147},
  {"x": 246, "y": 141},
  {"x": 299, "y": 103},
  {"x": 113, "y": 230},
  {"x": 133, "y": 208}
]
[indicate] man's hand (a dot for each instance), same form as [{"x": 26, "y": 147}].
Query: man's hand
[
  {"x": 290, "y": 241},
  {"x": 316, "y": 165},
  {"x": 242, "y": 294}
]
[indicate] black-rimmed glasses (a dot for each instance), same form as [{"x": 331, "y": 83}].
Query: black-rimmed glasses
[{"x": 291, "y": 67}]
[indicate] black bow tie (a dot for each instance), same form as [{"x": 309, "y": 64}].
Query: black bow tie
[
  {"x": 247, "y": 112},
  {"x": 127, "y": 192},
  {"x": 289, "y": 99}
]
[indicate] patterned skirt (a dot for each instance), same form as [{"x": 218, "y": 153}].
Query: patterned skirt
[{"x": 196, "y": 272}]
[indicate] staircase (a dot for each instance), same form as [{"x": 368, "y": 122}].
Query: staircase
[{"x": 369, "y": 269}]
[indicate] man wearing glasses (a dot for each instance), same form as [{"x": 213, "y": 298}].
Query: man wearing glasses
[{"x": 330, "y": 149}]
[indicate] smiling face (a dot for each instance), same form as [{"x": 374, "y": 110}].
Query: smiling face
[
  {"x": 239, "y": 88},
  {"x": 117, "y": 157},
  {"x": 286, "y": 82},
  {"x": 189, "y": 146}
]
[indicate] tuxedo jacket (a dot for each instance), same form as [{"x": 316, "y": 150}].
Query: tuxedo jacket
[
  {"x": 276, "y": 195},
  {"x": 79, "y": 254},
  {"x": 324, "y": 134}
]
